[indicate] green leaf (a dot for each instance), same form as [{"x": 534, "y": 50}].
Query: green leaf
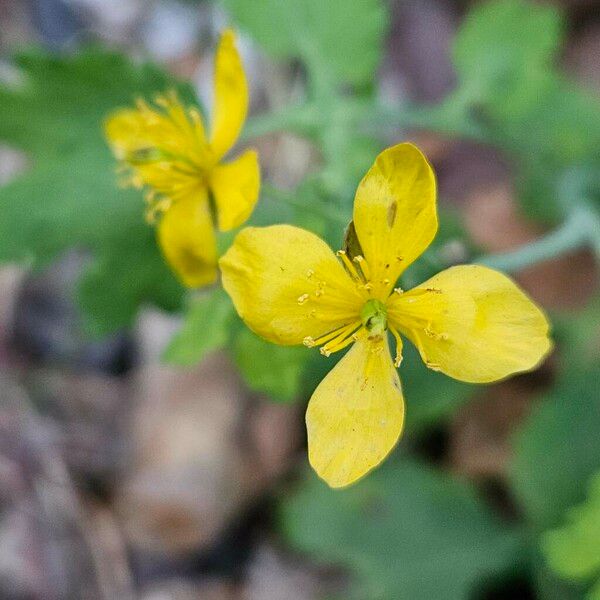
[
  {"x": 70, "y": 197},
  {"x": 503, "y": 50},
  {"x": 270, "y": 369},
  {"x": 554, "y": 143},
  {"x": 558, "y": 449},
  {"x": 509, "y": 86},
  {"x": 580, "y": 332},
  {"x": 342, "y": 38},
  {"x": 549, "y": 586},
  {"x": 405, "y": 532},
  {"x": 205, "y": 328},
  {"x": 430, "y": 397},
  {"x": 573, "y": 550}
]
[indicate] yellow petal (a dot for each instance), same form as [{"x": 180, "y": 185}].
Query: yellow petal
[
  {"x": 473, "y": 324},
  {"x": 162, "y": 147},
  {"x": 187, "y": 239},
  {"x": 231, "y": 96},
  {"x": 287, "y": 284},
  {"x": 166, "y": 132},
  {"x": 395, "y": 214},
  {"x": 355, "y": 416},
  {"x": 235, "y": 188},
  {"x": 124, "y": 130}
]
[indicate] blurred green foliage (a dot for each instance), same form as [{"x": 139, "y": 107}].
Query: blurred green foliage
[
  {"x": 277, "y": 372},
  {"x": 206, "y": 323},
  {"x": 512, "y": 92},
  {"x": 406, "y": 531},
  {"x": 338, "y": 40},
  {"x": 573, "y": 550},
  {"x": 558, "y": 448},
  {"x": 69, "y": 196}
]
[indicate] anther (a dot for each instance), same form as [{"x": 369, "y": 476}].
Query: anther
[
  {"x": 363, "y": 267},
  {"x": 308, "y": 341},
  {"x": 303, "y": 299}
]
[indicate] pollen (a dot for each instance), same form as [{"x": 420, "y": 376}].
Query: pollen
[{"x": 303, "y": 299}]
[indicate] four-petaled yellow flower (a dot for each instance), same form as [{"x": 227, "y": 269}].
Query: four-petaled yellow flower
[
  {"x": 166, "y": 149},
  {"x": 469, "y": 321}
]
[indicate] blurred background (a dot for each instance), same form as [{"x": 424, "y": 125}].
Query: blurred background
[{"x": 131, "y": 472}]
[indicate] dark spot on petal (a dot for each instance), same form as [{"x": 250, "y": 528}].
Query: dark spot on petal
[{"x": 391, "y": 213}]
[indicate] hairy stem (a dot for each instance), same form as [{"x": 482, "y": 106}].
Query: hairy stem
[{"x": 581, "y": 228}]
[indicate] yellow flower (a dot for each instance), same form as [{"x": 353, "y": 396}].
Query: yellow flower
[
  {"x": 165, "y": 148},
  {"x": 469, "y": 322}
]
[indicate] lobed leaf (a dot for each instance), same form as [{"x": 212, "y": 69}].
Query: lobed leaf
[
  {"x": 69, "y": 197},
  {"x": 205, "y": 328},
  {"x": 341, "y": 38},
  {"x": 558, "y": 449},
  {"x": 405, "y": 532}
]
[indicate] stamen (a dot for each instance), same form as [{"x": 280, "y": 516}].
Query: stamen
[
  {"x": 141, "y": 105},
  {"x": 417, "y": 342},
  {"x": 303, "y": 299},
  {"x": 340, "y": 342},
  {"x": 348, "y": 264},
  {"x": 157, "y": 205},
  {"x": 434, "y": 335},
  {"x": 363, "y": 267},
  {"x": 423, "y": 291},
  {"x": 332, "y": 334},
  {"x": 399, "y": 345}
]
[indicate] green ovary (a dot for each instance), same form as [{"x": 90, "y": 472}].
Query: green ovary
[{"x": 374, "y": 316}]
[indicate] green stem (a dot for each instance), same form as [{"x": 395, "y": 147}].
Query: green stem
[{"x": 578, "y": 230}]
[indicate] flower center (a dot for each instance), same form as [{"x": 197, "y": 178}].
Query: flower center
[{"x": 374, "y": 317}]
